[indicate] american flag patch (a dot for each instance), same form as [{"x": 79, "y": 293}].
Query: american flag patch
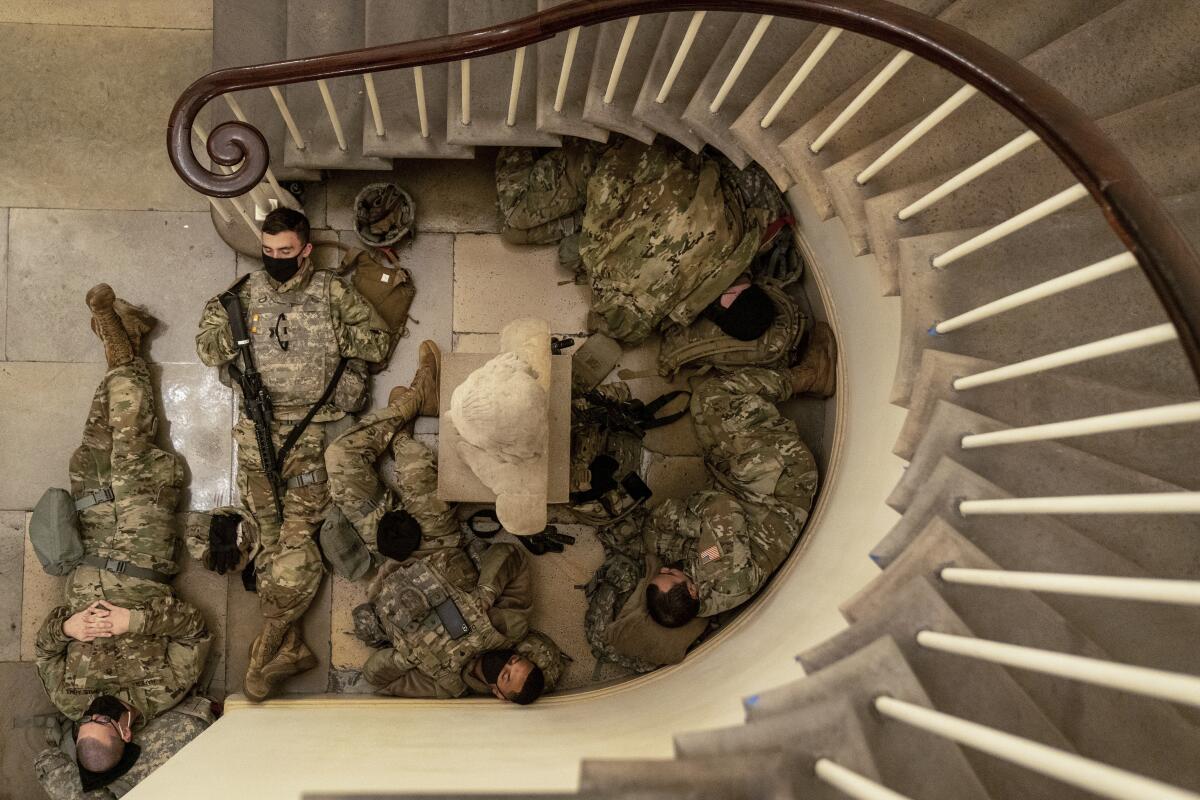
[{"x": 709, "y": 554}]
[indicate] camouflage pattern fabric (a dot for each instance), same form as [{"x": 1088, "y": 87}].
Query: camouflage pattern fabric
[
  {"x": 321, "y": 318},
  {"x": 542, "y": 196},
  {"x": 590, "y": 439},
  {"x": 160, "y": 739},
  {"x": 542, "y": 651},
  {"x": 157, "y": 661},
  {"x": 731, "y": 538},
  {"x": 662, "y": 237},
  {"x": 610, "y": 588}
]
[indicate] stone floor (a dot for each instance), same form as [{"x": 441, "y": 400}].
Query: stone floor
[{"x": 87, "y": 195}]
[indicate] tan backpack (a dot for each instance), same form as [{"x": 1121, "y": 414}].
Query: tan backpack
[{"x": 389, "y": 289}]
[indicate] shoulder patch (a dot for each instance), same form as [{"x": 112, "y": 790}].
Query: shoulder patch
[{"x": 711, "y": 553}]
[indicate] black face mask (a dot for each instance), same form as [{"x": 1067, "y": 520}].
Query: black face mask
[
  {"x": 281, "y": 269},
  {"x": 491, "y": 662},
  {"x": 107, "y": 705}
]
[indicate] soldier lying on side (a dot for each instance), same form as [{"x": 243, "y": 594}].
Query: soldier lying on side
[
  {"x": 446, "y": 625},
  {"x": 122, "y": 649}
]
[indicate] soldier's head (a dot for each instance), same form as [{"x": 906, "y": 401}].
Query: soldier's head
[
  {"x": 106, "y": 727},
  {"x": 672, "y": 598},
  {"x": 285, "y": 242},
  {"x": 512, "y": 677},
  {"x": 744, "y": 311}
]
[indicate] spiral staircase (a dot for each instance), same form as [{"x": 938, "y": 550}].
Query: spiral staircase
[{"x": 1032, "y": 630}]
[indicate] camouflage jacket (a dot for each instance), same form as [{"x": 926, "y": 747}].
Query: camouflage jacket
[
  {"x": 150, "y": 668},
  {"x": 359, "y": 333},
  {"x": 537, "y": 191},
  {"x": 424, "y": 661},
  {"x": 662, "y": 237}
]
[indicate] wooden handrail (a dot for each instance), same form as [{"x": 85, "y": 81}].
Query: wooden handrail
[{"x": 1132, "y": 210}]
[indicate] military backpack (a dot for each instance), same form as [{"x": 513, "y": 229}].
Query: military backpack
[{"x": 389, "y": 289}]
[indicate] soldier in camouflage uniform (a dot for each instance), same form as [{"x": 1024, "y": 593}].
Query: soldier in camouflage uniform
[
  {"x": 122, "y": 649},
  {"x": 302, "y": 322},
  {"x": 542, "y": 196}
]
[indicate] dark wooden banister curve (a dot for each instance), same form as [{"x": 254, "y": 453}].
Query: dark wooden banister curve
[{"x": 1132, "y": 210}]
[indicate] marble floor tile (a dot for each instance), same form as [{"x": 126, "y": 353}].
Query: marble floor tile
[
  {"x": 3, "y": 281},
  {"x": 12, "y": 569},
  {"x": 42, "y": 412},
  {"x": 450, "y": 195},
  {"x": 496, "y": 282},
  {"x": 39, "y": 594},
  {"x": 88, "y": 133},
  {"x": 169, "y": 262},
  {"x": 20, "y": 742},
  {"x": 189, "y": 14},
  {"x": 348, "y": 652},
  {"x": 675, "y": 476},
  {"x": 206, "y": 591}
]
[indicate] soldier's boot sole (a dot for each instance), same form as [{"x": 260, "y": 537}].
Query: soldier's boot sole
[
  {"x": 118, "y": 350},
  {"x": 816, "y": 374},
  {"x": 293, "y": 657},
  {"x": 427, "y": 377}
]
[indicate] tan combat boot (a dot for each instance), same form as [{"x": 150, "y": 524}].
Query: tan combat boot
[
  {"x": 137, "y": 321},
  {"x": 424, "y": 383},
  {"x": 816, "y": 374},
  {"x": 265, "y": 647},
  {"x": 293, "y": 658},
  {"x": 118, "y": 350}
]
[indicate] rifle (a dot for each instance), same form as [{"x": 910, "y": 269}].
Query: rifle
[{"x": 256, "y": 400}]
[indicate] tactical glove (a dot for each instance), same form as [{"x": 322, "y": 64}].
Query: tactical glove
[{"x": 223, "y": 554}]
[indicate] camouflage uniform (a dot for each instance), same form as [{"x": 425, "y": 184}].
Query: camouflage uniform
[
  {"x": 156, "y": 663},
  {"x": 663, "y": 235},
  {"x": 58, "y": 773},
  {"x": 542, "y": 197},
  {"x": 731, "y": 538},
  {"x": 324, "y": 319}
]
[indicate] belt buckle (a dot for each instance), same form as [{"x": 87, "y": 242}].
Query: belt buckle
[
  {"x": 106, "y": 492},
  {"x": 115, "y": 566}
]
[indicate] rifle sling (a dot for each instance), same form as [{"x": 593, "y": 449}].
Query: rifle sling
[{"x": 294, "y": 434}]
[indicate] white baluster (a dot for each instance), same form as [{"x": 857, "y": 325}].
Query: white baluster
[
  {"x": 619, "y": 64},
  {"x": 236, "y": 108},
  {"x": 333, "y": 115},
  {"x": 1176, "y": 414},
  {"x": 373, "y": 99},
  {"x": 284, "y": 112},
  {"x": 464, "y": 67},
  {"x": 735, "y": 72},
  {"x": 560, "y": 95},
  {"x": 1144, "y": 503},
  {"x": 1157, "y": 683},
  {"x": 221, "y": 212},
  {"x": 801, "y": 75},
  {"x": 689, "y": 38},
  {"x": 1149, "y": 590},
  {"x": 852, "y": 784},
  {"x": 919, "y": 130},
  {"x": 1012, "y": 225},
  {"x": 985, "y": 164},
  {"x": 514, "y": 92},
  {"x": 1146, "y": 337},
  {"x": 233, "y": 201},
  {"x": 1079, "y": 277},
  {"x": 864, "y": 97},
  {"x": 1093, "y": 776},
  {"x": 422, "y": 113}
]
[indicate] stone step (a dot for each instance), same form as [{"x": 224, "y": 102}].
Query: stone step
[
  {"x": 666, "y": 117},
  {"x": 967, "y": 688},
  {"x": 1160, "y": 138},
  {"x": 1169, "y": 452},
  {"x": 491, "y": 82},
  {"x": 1060, "y": 244},
  {"x": 388, "y": 22},
  {"x": 1167, "y": 544},
  {"x": 1152, "y": 61},
  {"x": 745, "y": 776},
  {"x": 1015, "y": 28},
  {"x": 1150, "y": 634},
  {"x": 316, "y": 28},
  {"x": 909, "y": 760},
  {"x": 776, "y": 46},
  {"x": 848, "y": 60},
  {"x": 1101, "y": 723},
  {"x": 551, "y": 53},
  {"x": 253, "y": 33},
  {"x": 618, "y": 114},
  {"x": 827, "y": 727}
]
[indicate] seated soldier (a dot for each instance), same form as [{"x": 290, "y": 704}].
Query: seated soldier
[
  {"x": 123, "y": 649},
  {"x": 721, "y": 544},
  {"x": 445, "y": 625}
]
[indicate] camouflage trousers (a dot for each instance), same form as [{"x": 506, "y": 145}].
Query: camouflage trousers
[
  {"x": 355, "y": 485},
  {"x": 118, "y": 451},
  {"x": 542, "y": 197},
  {"x": 288, "y": 563},
  {"x": 757, "y": 456}
]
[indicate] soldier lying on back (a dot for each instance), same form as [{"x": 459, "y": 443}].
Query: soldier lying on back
[
  {"x": 123, "y": 649},
  {"x": 446, "y": 625}
]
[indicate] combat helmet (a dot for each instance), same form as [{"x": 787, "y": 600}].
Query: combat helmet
[{"x": 383, "y": 214}]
